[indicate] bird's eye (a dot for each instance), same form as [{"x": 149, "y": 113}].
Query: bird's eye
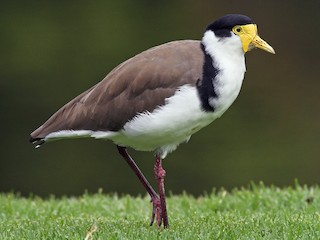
[{"x": 237, "y": 29}]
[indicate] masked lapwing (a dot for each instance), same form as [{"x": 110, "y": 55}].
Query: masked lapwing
[{"x": 157, "y": 99}]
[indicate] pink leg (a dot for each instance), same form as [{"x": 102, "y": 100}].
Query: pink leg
[
  {"x": 160, "y": 173},
  {"x": 156, "y": 211}
]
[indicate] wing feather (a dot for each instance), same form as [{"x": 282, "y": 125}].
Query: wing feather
[{"x": 140, "y": 84}]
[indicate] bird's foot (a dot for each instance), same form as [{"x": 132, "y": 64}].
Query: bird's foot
[
  {"x": 159, "y": 213},
  {"x": 156, "y": 211}
]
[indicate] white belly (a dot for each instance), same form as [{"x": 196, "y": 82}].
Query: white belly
[{"x": 167, "y": 126}]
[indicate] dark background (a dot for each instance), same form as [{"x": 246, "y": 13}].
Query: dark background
[{"x": 51, "y": 51}]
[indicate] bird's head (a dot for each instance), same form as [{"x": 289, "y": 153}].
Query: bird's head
[{"x": 241, "y": 27}]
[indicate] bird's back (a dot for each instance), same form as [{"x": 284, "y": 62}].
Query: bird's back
[{"x": 126, "y": 91}]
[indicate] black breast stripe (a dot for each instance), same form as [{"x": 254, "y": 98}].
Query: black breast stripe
[{"x": 205, "y": 85}]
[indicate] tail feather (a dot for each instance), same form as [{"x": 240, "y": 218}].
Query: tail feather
[{"x": 37, "y": 141}]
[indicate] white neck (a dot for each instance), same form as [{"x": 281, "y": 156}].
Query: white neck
[
  {"x": 228, "y": 59},
  {"x": 223, "y": 49}
]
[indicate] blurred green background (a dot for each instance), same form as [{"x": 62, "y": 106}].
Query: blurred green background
[{"x": 51, "y": 51}]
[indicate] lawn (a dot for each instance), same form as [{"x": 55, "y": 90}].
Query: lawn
[{"x": 256, "y": 212}]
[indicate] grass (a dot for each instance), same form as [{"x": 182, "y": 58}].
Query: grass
[{"x": 257, "y": 212}]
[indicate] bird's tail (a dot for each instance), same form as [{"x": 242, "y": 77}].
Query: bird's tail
[{"x": 36, "y": 141}]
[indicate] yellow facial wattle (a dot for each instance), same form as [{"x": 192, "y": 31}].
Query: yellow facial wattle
[{"x": 249, "y": 37}]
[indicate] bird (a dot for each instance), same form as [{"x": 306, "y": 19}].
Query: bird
[{"x": 159, "y": 98}]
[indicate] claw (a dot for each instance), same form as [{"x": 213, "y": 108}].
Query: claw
[{"x": 156, "y": 211}]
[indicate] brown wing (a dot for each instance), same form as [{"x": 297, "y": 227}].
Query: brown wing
[{"x": 139, "y": 84}]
